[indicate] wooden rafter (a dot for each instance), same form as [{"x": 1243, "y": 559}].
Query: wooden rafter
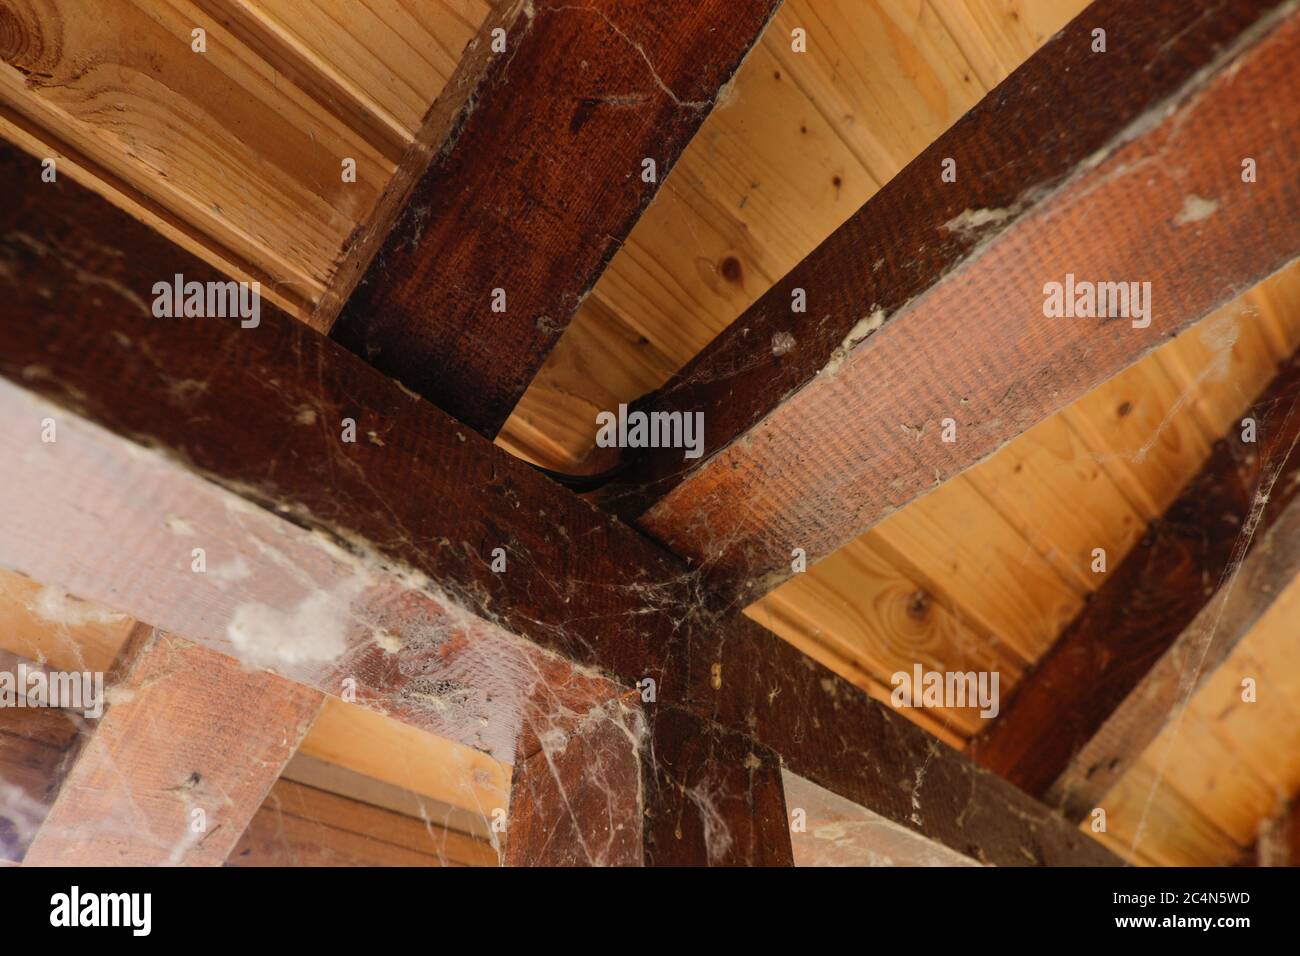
[
  {"x": 924, "y": 315},
  {"x": 1164, "y": 620},
  {"x": 536, "y": 171},
  {"x": 204, "y": 434},
  {"x": 717, "y": 797},
  {"x": 577, "y": 800},
  {"x": 179, "y": 762}
]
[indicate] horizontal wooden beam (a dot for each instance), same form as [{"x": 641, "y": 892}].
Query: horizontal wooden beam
[
  {"x": 1163, "y": 621},
  {"x": 830, "y": 732},
  {"x": 178, "y": 764},
  {"x": 375, "y": 566},
  {"x": 548, "y": 146},
  {"x": 917, "y": 339},
  {"x": 258, "y": 527}
]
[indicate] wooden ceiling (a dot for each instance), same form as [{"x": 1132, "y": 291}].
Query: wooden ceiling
[{"x": 234, "y": 155}]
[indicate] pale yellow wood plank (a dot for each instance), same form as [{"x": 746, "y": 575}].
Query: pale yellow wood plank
[
  {"x": 1053, "y": 490},
  {"x": 887, "y": 75},
  {"x": 1148, "y": 819},
  {"x": 396, "y": 753},
  {"x": 393, "y": 56},
  {"x": 996, "y": 36},
  {"x": 50, "y": 627},
  {"x": 957, "y": 544},
  {"x": 218, "y": 139},
  {"x": 1143, "y": 431},
  {"x": 856, "y": 612}
]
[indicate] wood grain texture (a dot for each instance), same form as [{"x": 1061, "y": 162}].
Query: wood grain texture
[
  {"x": 536, "y": 184},
  {"x": 387, "y": 750},
  {"x": 375, "y": 64},
  {"x": 304, "y": 826},
  {"x": 713, "y": 797},
  {"x": 1045, "y": 222},
  {"x": 577, "y": 801},
  {"x": 1163, "y": 599},
  {"x": 214, "y": 137},
  {"x": 186, "y": 730},
  {"x": 352, "y": 785},
  {"x": 1188, "y": 716},
  {"x": 1226, "y": 760},
  {"x": 857, "y": 615},
  {"x": 1279, "y": 839},
  {"x": 398, "y": 585},
  {"x": 403, "y": 581},
  {"x": 1152, "y": 824},
  {"x": 800, "y": 141},
  {"x": 235, "y": 152},
  {"x": 952, "y": 583},
  {"x": 839, "y": 738},
  {"x": 45, "y": 625}
]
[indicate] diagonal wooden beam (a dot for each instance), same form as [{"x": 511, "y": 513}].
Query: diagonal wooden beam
[
  {"x": 317, "y": 559},
  {"x": 367, "y": 566},
  {"x": 831, "y": 733},
  {"x": 536, "y": 172},
  {"x": 926, "y": 309},
  {"x": 178, "y": 764},
  {"x": 1163, "y": 621}
]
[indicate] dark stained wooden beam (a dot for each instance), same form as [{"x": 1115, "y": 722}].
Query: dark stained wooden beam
[
  {"x": 577, "y": 800},
  {"x": 652, "y": 785},
  {"x": 178, "y": 764},
  {"x": 828, "y": 731},
  {"x": 928, "y": 304},
  {"x": 320, "y": 561},
  {"x": 534, "y": 179},
  {"x": 714, "y": 797},
  {"x": 1163, "y": 620},
  {"x": 370, "y": 562}
]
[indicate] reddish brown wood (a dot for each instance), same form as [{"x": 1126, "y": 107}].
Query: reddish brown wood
[
  {"x": 250, "y": 423},
  {"x": 577, "y": 800},
  {"x": 1122, "y": 166},
  {"x": 831, "y": 733},
  {"x": 713, "y": 797},
  {"x": 189, "y": 730},
  {"x": 180, "y": 432},
  {"x": 535, "y": 187},
  {"x": 1176, "y": 606}
]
